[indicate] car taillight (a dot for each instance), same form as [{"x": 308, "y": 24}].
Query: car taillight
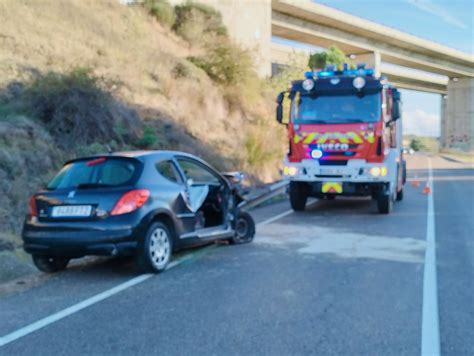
[
  {"x": 130, "y": 201},
  {"x": 32, "y": 210},
  {"x": 95, "y": 161}
]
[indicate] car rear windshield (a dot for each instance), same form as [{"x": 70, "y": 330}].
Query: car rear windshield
[{"x": 96, "y": 173}]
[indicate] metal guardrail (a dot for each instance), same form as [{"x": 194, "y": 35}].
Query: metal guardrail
[{"x": 267, "y": 193}]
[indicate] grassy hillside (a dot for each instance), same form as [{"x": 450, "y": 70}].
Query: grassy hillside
[{"x": 77, "y": 76}]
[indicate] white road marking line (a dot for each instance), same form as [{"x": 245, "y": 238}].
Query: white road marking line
[
  {"x": 274, "y": 218},
  {"x": 430, "y": 342},
  {"x": 282, "y": 215},
  {"x": 71, "y": 310},
  {"x": 4, "y": 340},
  {"x": 37, "y": 325}
]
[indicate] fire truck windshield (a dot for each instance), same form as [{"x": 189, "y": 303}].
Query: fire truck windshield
[{"x": 335, "y": 109}]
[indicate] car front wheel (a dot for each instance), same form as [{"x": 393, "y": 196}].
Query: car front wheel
[
  {"x": 50, "y": 264},
  {"x": 155, "y": 249},
  {"x": 244, "y": 229}
]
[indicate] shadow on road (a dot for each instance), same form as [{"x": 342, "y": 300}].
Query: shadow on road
[{"x": 343, "y": 205}]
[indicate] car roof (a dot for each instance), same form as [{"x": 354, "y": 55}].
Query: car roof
[
  {"x": 141, "y": 155},
  {"x": 154, "y": 154}
]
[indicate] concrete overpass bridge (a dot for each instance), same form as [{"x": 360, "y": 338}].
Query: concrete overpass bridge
[{"x": 282, "y": 55}]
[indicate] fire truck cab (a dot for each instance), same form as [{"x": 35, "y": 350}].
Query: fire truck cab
[{"x": 345, "y": 137}]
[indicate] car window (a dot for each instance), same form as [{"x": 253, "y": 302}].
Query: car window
[
  {"x": 198, "y": 173},
  {"x": 99, "y": 172},
  {"x": 168, "y": 170}
]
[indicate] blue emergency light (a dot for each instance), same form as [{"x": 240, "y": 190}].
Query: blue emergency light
[{"x": 330, "y": 71}]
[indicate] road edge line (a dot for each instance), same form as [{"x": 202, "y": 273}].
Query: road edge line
[{"x": 430, "y": 338}]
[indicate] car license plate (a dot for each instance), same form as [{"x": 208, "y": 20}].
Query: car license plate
[
  {"x": 71, "y": 211},
  {"x": 331, "y": 187}
]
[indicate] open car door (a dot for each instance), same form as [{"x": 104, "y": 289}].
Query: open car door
[{"x": 208, "y": 193}]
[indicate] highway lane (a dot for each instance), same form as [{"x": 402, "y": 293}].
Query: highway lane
[{"x": 335, "y": 279}]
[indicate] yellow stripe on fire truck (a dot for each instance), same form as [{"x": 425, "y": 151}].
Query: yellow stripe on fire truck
[{"x": 332, "y": 136}]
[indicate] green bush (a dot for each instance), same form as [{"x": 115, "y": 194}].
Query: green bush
[
  {"x": 196, "y": 22},
  {"x": 148, "y": 138},
  {"x": 185, "y": 69},
  {"x": 417, "y": 145},
  {"x": 226, "y": 63},
  {"x": 162, "y": 11},
  {"x": 332, "y": 55},
  {"x": 261, "y": 147},
  {"x": 77, "y": 108}
]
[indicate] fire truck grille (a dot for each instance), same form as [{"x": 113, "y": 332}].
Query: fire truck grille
[{"x": 333, "y": 162}]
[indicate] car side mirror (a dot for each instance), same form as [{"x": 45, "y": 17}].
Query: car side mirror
[{"x": 234, "y": 177}]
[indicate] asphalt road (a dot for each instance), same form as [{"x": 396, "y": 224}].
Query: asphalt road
[{"x": 337, "y": 279}]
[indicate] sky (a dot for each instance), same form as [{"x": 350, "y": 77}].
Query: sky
[{"x": 447, "y": 22}]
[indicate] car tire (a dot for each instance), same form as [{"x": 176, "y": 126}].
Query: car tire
[
  {"x": 400, "y": 195},
  {"x": 384, "y": 203},
  {"x": 49, "y": 264},
  {"x": 298, "y": 196},
  {"x": 155, "y": 249},
  {"x": 244, "y": 229}
]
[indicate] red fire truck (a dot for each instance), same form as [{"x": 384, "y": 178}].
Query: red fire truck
[{"x": 345, "y": 137}]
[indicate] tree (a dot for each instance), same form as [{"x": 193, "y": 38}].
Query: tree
[
  {"x": 332, "y": 55},
  {"x": 416, "y": 144}
]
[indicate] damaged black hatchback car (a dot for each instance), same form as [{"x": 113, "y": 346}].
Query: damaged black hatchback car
[{"x": 147, "y": 204}]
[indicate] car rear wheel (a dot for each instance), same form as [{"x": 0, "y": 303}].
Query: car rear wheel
[
  {"x": 50, "y": 264},
  {"x": 155, "y": 249},
  {"x": 244, "y": 229}
]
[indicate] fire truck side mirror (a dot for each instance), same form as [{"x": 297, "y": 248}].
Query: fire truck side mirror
[
  {"x": 397, "y": 105},
  {"x": 396, "y": 110},
  {"x": 279, "y": 109}
]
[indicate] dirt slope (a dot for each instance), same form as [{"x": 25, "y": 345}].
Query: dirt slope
[{"x": 186, "y": 110}]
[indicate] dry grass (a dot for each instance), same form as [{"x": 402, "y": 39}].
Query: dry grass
[
  {"x": 124, "y": 43},
  {"x": 231, "y": 126}
]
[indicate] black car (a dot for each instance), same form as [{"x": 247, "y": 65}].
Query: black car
[{"x": 147, "y": 204}]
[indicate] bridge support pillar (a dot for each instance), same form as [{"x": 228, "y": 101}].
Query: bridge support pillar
[
  {"x": 459, "y": 115},
  {"x": 371, "y": 60},
  {"x": 250, "y": 24},
  {"x": 443, "y": 122}
]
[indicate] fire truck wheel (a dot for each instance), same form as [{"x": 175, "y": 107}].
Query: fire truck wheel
[
  {"x": 384, "y": 203},
  {"x": 400, "y": 195},
  {"x": 298, "y": 196}
]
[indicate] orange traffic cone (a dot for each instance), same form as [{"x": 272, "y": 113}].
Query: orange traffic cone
[
  {"x": 427, "y": 189},
  {"x": 415, "y": 183}
]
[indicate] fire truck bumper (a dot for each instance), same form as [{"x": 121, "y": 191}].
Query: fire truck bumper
[
  {"x": 357, "y": 177},
  {"x": 320, "y": 189}
]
